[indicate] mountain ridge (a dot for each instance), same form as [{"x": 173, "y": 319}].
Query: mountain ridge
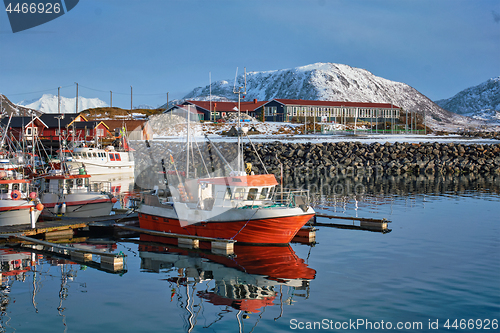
[
  {"x": 480, "y": 102},
  {"x": 334, "y": 82},
  {"x": 48, "y": 103}
]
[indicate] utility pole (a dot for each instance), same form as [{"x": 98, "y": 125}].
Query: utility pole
[
  {"x": 76, "y": 97},
  {"x": 110, "y": 99},
  {"x": 425, "y": 123},
  {"x": 210, "y": 85},
  {"x": 59, "y": 100},
  {"x": 406, "y": 129},
  {"x": 130, "y": 98}
]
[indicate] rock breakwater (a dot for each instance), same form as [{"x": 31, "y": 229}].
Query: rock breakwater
[
  {"x": 328, "y": 160},
  {"x": 389, "y": 158}
]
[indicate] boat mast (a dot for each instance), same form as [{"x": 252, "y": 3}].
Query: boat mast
[
  {"x": 240, "y": 147},
  {"x": 187, "y": 143}
]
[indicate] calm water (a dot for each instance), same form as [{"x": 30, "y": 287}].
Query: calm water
[{"x": 440, "y": 261}]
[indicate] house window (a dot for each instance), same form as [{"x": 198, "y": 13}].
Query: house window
[
  {"x": 29, "y": 131},
  {"x": 270, "y": 110},
  {"x": 100, "y": 132}
]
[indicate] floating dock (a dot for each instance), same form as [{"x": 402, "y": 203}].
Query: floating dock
[
  {"x": 64, "y": 228},
  {"x": 218, "y": 245},
  {"x": 109, "y": 262},
  {"x": 368, "y": 224}
]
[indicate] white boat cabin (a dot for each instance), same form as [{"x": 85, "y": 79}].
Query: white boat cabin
[
  {"x": 109, "y": 154},
  {"x": 14, "y": 189},
  {"x": 235, "y": 191},
  {"x": 66, "y": 184}
]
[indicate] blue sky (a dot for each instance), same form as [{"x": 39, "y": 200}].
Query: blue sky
[{"x": 439, "y": 47}]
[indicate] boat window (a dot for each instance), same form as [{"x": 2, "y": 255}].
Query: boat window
[
  {"x": 15, "y": 187},
  {"x": 87, "y": 182},
  {"x": 271, "y": 192},
  {"x": 4, "y": 188},
  {"x": 60, "y": 183},
  {"x": 228, "y": 194},
  {"x": 252, "y": 194},
  {"x": 118, "y": 158},
  {"x": 79, "y": 182},
  {"x": 84, "y": 154},
  {"x": 94, "y": 154},
  {"x": 23, "y": 187},
  {"x": 239, "y": 193},
  {"x": 112, "y": 157},
  {"x": 263, "y": 194},
  {"x": 69, "y": 182}
]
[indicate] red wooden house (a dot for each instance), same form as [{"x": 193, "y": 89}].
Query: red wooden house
[{"x": 48, "y": 128}]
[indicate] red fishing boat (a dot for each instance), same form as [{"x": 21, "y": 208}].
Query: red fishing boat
[
  {"x": 244, "y": 208},
  {"x": 230, "y": 202}
]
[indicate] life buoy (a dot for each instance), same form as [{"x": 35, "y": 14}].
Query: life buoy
[{"x": 15, "y": 195}]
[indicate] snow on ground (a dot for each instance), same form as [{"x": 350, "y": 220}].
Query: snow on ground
[{"x": 283, "y": 132}]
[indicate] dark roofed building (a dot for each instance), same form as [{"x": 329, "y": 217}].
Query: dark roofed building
[
  {"x": 216, "y": 110},
  {"x": 287, "y": 109}
]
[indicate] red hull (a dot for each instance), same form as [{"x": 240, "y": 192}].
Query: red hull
[{"x": 278, "y": 230}]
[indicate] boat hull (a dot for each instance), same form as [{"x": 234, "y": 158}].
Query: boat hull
[
  {"x": 15, "y": 212},
  {"x": 269, "y": 230},
  {"x": 77, "y": 205}
]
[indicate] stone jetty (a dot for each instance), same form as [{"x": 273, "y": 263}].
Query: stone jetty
[
  {"x": 331, "y": 159},
  {"x": 390, "y": 158}
]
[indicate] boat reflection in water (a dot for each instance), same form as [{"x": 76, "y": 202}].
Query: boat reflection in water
[{"x": 248, "y": 281}]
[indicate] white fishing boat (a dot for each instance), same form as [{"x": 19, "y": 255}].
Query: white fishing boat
[
  {"x": 101, "y": 161},
  {"x": 18, "y": 204},
  {"x": 74, "y": 195}
]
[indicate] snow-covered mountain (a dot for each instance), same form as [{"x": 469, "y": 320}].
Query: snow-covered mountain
[
  {"x": 8, "y": 108},
  {"x": 334, "y": 82},
  {"x": 48, "y": 104},
  {"x": 479, "y": 102}
]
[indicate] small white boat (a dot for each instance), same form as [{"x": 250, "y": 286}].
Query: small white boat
[
  {"x": 17, "y": 204},
  {"x": 67, "y": 195}
]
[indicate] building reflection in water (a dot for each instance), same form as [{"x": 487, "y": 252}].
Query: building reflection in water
[{"x": 252, "y": 279}]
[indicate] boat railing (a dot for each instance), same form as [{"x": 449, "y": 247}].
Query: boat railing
[{"x": 292, "y": 198}]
